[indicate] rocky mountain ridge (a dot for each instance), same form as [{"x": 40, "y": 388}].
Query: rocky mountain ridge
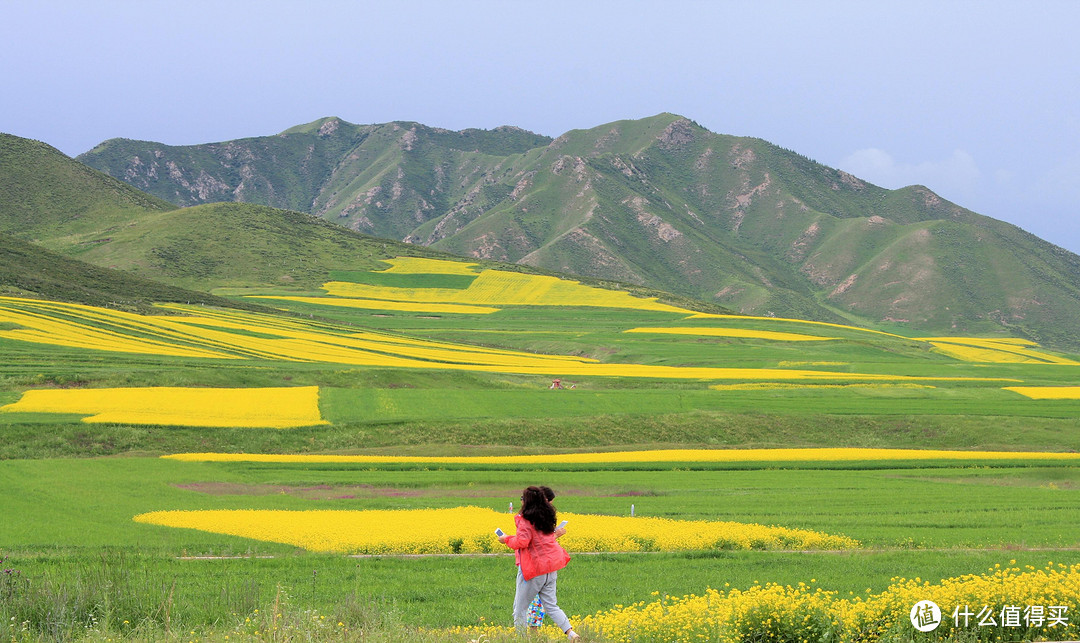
[{"x": 659, "y": 201}]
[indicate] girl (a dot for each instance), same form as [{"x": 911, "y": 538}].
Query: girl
[{"x": 539, "y": 557}]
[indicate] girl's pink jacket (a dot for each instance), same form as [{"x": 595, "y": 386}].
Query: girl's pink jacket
[{"x": 536, "y": 552}]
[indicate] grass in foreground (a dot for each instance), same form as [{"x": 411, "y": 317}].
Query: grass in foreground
[
  {"x": 84, "y": 567},
  {"x": 70, "y": 595}
]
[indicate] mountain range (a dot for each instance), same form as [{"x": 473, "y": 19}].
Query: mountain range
[
  {"x": 660, "y": 202},
  {"x": 653, "y": 204},
  {"x": 72, "y": 233}
]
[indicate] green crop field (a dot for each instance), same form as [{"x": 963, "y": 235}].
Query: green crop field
[
  {"x": 413, "y": 383},
  {"x": 72, "y": 524}
]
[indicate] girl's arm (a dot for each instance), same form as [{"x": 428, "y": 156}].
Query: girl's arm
[{"x": 522, "y": 538}]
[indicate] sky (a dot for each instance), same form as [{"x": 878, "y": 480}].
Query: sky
[{"x": 979, "y": 101}]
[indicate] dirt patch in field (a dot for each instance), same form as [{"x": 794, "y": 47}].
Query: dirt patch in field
[
  {"x": 1004, "y": 481},
  {"x": 346, "y": 492}
]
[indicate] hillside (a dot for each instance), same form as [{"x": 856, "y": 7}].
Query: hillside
[
  {"x": 79, "y": 212},
  {"x": 29, "y": 270},
  {"x": 350, "y": 174},
  {"x": 659, "y": 201},
  {"x": 104, "y": 222},
  {"x": 43, "y": 193}
]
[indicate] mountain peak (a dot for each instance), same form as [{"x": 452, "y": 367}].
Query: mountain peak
[
  {"x": 323, "y": 126},
  {"x": 678, "y": 133}
]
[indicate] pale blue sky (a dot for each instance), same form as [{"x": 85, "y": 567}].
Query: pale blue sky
[{"x": 978, "y": 100}]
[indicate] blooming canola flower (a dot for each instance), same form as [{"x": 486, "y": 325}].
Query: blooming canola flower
[
  {"x": 425, "y": 266},
  {"x": 276, "y": 407},
  {"x": 503, "y": 288},
  {"x": 1007, "y": 350},
  {"x": 470, "y": 530},
  {"x": 657, "y": 455},
  {"x": 1047, "y": 392},
  {"x": 738, "y": 333},
  {"x": 803, "y": 612},
  {"x": 231, "y": 334}
]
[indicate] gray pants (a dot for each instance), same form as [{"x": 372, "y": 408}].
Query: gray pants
[{"x": 544, "y": 585}]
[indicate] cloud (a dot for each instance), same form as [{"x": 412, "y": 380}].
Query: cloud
[{"x": 957, "y": 174}]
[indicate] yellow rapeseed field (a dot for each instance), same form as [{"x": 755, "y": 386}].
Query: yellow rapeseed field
[
  {"x": 422, "y": 266},
  {"x": 768, "y": 386},
  {"x": 384, "y": 304},
  {"x": 220, "y": 407},
  {"x": 75, "y": 325},
  {"x": 982, "y": 354},
  {"x": 502, "y": 288},
  {"x": 659, "y": 455},
  {"x": 471, "y": 530},
  {"x": 1047, "y": 392},
  {"x": 732, "y": 332},
  {"x": 1003, "y": 604},
  {"x": 789, "y": 362},
  {"x": 199, "y": 331},
  {"x": 793, "y": 321},
  {"x": 1008, "y": 350}
]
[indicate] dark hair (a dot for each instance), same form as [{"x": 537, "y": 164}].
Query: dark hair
[{"x": 537, "y": 508}]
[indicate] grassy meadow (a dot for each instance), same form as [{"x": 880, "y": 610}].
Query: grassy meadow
[
  {"x": 90, "y": 398},
  {"x": 932, "y": 519}
]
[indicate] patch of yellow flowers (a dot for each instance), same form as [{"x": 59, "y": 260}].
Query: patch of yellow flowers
[
  {"x": 657, "y": 455},
  {"x": 1008, "y": 350},
  {"x": 735, "y": 333},
  {"x": 1047, "y": 392},
  {"x": 78, "y": 326},
  {"x": 275, "y": 407},
  {"x": 423, "y": 266},
  {"x": 805, "y": 613},
  {"x": 768, "y": 386},
  {"x": 793, "y": 321},
  {"x": 231, "y": 334},
  {"x": 470, "y": 530},
  {"x": 502, "y": 288},
  {"x": 383, "y": 304}
]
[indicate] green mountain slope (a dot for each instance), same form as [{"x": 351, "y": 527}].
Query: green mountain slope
[
  {"x": 29, "y": 270},
  {"x": 355, "y": 175},
  {"x": 659, "y": 201},
  {"x": 43, "y": 193},
  {"x": 79, "y": 212},
  {"x": 107, "y": 223},
  {"x": 238, "y": 244}
]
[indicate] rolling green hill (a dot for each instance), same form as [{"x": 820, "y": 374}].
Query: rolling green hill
[
  {"x": 67, "y": 207},
  {"x": 659, "y": 201},
  {"x": 43, "y": 194},
  {"x": 30, "y": 270},
  {"x": 71, "y": 209}
]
